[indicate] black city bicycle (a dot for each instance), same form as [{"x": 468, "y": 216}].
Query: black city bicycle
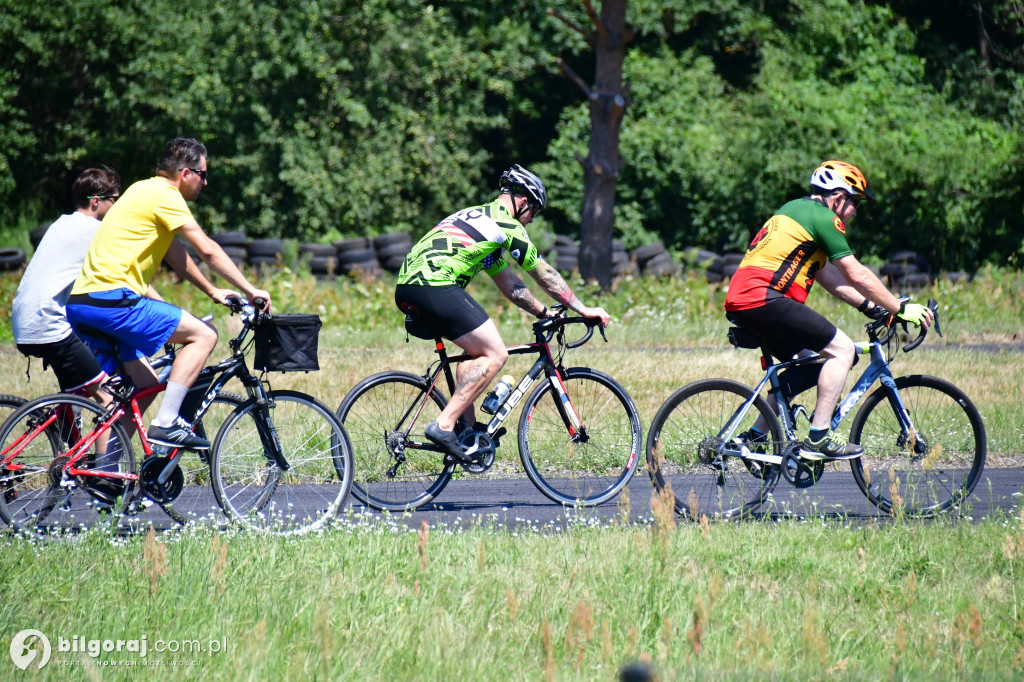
[
  {"x": 579, "y": 430},
  {"x": 281, "y": 462},
  {"x": 924, "y": 441}
]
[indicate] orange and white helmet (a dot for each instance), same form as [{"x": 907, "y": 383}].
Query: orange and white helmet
[{"x": 841, "y": 175}]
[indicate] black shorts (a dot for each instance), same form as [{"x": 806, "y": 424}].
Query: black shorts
[
  {"x": 448, "y": 310},
  {"x": 71, "y": 360},
  {"x": 786, "y": 327}
]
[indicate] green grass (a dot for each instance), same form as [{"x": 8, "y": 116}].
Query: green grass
[
  {"x": 375, "y": 601},
  {"x": 818, "y": 599}
]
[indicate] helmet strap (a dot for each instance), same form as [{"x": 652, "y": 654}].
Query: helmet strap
[{"x": 518, "y": 211}]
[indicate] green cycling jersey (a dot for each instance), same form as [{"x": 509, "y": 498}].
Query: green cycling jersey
[{"x": 455, "y": 250}]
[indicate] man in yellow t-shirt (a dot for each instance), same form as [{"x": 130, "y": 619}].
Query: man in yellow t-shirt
[{"x": 112, "y": 297}]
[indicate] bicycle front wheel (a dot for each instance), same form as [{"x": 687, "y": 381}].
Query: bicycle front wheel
[
  {"x": 385, "y": 415},
  {"x": 687, "y": 457},
  {"x": 928, "y": 470},
  {"x": 37, "y": 496},
  {"x": 252, "y": 486},
  {"x": 196, "y": 502},
  {"x": 588, "y": 465}
]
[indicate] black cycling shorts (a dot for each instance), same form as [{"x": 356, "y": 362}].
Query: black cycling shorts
[
  {"x": 786, "y": 327},
  {"x": 72, "y": 361},
  {"x": 448, "y": 310}
]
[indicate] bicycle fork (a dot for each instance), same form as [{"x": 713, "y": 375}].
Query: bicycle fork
[{"x": 573, "y": 424}]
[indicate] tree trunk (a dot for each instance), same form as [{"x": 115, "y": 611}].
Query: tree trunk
[
  {"x": 608, "y": 102},
  {"x": 608, "y": 97}
]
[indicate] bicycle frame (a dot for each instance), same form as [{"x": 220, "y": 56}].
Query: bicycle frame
[
  {"x": 545, "y": 364},
  {"x": 877, "y": 370}
]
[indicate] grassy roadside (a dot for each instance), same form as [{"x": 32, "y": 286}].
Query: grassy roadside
[
  {"x": 790, "y": 600},
  {"x": 819, "y": 599}
]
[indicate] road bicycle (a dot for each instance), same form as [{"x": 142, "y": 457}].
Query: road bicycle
[
  {"x": 281, "y": 462},
  {"x": 579, "y": 430},
  {"x": 924, "y": 441}
]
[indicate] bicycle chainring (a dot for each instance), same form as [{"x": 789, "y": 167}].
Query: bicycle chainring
[
  {"x": 149, "y": 474},
  {"x": 481, "y": 447},
  {"x": 799, "y": 473}
]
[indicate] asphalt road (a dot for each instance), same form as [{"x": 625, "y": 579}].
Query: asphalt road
[{"x": 516, "y": 504}]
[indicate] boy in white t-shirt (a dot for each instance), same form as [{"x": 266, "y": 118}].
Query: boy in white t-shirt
[{"x": 38, "y": 317}]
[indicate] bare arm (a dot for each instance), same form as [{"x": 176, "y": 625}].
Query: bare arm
[
  {"x": 849, "y": 281},
  {"x": 153, "y": 294},
  {"x": 516, "y": 291},
  {"x": 177, "y": 257},
  {"x": 213, "y": 255},
  {"x": 555, "y": 286}
]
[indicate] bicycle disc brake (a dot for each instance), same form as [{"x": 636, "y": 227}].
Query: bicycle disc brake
[
  {"x": 481, "y": 447},
  {"x": 149, "y": 477},
  {"x": 798, "y": 472}
]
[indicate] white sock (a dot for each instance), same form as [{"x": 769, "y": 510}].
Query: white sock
[{"x": 174, "y": 395}]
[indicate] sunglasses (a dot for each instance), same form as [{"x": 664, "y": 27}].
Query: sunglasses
[
  {"x": 200, "y": 173},
  {"x": 112, "y": 197}
]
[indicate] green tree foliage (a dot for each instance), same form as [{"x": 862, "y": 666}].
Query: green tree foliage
[
  {"x": 734, "y": 106},
  {"x": 331, "y": 118}
]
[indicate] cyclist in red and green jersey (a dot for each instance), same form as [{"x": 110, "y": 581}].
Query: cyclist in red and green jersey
[
  {"x": 803, "y": 243},
  {"x": 432, "y": 281}
]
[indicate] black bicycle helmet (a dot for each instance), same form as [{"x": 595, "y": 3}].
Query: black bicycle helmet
[{"x": 518, "y": 180}]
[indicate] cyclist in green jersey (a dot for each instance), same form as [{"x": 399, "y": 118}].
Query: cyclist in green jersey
[
  {"x": 805, "y": 242},
  {"x": 432, "y": 282}
]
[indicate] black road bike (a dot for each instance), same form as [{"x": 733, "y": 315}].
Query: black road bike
[{"x": 579, "y": 430}]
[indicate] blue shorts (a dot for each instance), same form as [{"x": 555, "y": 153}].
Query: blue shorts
[{"x": 120, "y": 325}]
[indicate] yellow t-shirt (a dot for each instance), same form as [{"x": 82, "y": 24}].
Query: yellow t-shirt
[{"x": 133, "y": 238}]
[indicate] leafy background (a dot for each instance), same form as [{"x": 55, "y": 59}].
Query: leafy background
[{"x": 335, "y": 118}]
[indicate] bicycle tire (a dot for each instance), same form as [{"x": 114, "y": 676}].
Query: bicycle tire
[
  {"x": 250, "y": 486},
  {"x": 592, "y": 467},
  {"x": 682, "y": 451},
  {"x": 952, "y": 451},
  {"x": 371, "y": 412},
  {"x": 38, "y": 500},
  {"x": 197, "y": 502},
  {"x": 8, "y": 404}
]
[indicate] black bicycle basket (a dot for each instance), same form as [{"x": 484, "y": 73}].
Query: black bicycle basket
[{"x": 287, "y": 343}]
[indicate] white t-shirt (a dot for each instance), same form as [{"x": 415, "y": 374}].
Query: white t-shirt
[{"x": 37, "y": 314}]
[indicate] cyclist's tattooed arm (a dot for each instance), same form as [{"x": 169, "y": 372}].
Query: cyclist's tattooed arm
[
  {"x": 516, "y": 291},
  {"x": 555, "y": 285}
]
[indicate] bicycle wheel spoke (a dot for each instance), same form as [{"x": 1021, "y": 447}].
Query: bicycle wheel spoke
[
  {"x": 686, "y": 455},
  {"x": 929, "y": 469},
  {"x": 390, "y": 475},
  {"x": 196, "y": 502},
  {"x": 257, "y": 492},
  {"x": 593, "y": 465},
  {"x": 37, "y": 496}
]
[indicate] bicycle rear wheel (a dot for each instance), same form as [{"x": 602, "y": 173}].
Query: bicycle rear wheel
[
  {"x": 381, "y": 415},
  {"x": 197, "y": 501},
  {"x": 926, "y": 472},
  {"x": 686, "y": 455},
  {"x": 8, "y": 404},
  {"x": 37, "y": 496},
  {"x": 589, "y": 466},
  {"x": 255, "y": 491}
]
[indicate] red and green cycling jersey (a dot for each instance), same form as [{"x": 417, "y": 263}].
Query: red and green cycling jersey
[
  {"x": 786, "y": 254},
  {"x": 455, "y": 250}
]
